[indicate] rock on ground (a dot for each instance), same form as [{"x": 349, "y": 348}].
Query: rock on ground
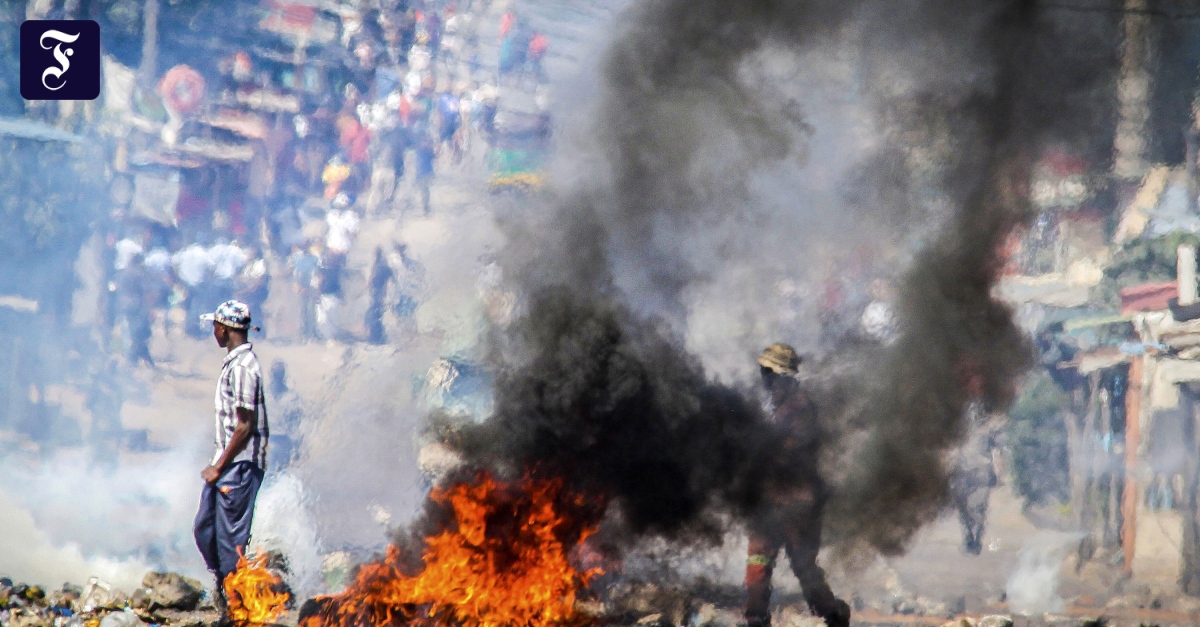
[
  {"x": 173, "y": 591},
  {"x": 709, "y": 615},
  {"x": 791, "y": 616},
  {"x": 996, "y": 620}
]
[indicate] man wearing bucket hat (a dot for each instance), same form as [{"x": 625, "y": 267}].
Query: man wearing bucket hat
[
  {"x": 791, "y": 517},
  {"x": 231, "y": 481}
]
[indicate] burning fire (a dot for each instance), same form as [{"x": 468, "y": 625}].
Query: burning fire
[
  {"x": 252, "y": 595},
  {"x": 506, "y": 562}
]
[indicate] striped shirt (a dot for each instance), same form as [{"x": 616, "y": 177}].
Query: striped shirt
[{"x": 241, "y": 385}]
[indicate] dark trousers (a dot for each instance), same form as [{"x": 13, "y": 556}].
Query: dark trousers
[
  {"x": 222, "y": 525},
  {"x": 374, "y": 323},
  {"x": 969, "y": 491},
  {"x": 794, "y": 526},
  {"x": 138, "y": 323},
  {"x": 308, "y": 312}
]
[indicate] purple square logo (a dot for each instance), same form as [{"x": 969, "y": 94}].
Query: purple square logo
[{"x": 60, "y": 60}]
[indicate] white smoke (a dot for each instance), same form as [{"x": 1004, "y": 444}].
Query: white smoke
[
  {"x": 283, "y": 522},
  {"x": 28, "y": 554},
  {"x": 1033, "y": 586},
  {"x": 63, "y": 521}
]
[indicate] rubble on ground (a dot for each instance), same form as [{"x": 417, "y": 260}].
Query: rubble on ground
[
  {"x": 168, "y": 591},
  {"x": 985, "y": 621},
  {"x": 173, "y": 600},
  {"x": 645, "y": 604},
  {"x": 164, "y": 599}
]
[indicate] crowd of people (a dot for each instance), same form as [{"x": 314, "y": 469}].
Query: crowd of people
[
  {"x": 150, "y": 277},
  {"x": 414, "y": 96}
]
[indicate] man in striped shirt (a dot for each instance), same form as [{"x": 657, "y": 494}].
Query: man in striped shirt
[{"x": 231, "y": 481}]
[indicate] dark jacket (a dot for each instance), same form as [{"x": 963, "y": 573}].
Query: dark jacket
[{"x": 796, "y": 422}]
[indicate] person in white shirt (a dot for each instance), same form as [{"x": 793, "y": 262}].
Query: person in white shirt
[
  {"x": 343, "y": 225},
  {"x": 126, "y": 249},
  {"x": 254, "y": 282},
  {"x": 227, "y": 260},
  {"x": 158, "y": 259},
  {"x": 193, "y": 267}
]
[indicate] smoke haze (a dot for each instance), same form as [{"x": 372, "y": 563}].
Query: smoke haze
[
  {"x": 693, "y": 132},
  {"x": 726, "y": 160}
]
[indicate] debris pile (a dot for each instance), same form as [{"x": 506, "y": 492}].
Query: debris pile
[{"x": 165, "y": 599}]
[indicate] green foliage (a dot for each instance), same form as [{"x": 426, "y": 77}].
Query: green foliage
[
  {"x": 1148, "y": 259},
  {"x": 124, "y": 15},
  {"x": 1142, "y": 261},
  {"x": 1037, "y": 441}
]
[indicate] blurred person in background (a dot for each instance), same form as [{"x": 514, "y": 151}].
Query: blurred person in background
[
  {"x": 304, "y": 263},
  {"x": 449, "y": 119},
  {"x": 287, "y": 408},
  {"x": 125, "y": 249},
  {"x": 452, "y": 42},
  {"x": 193, "y": 266},
  {"x": 973, "y": 469},
  {"x": 134, "y": 301},
  {"x": 342, "y": 223},
  {"x": 329, "y": 294},
  {"x": 121, "y": 252},
  {"x": 425, "y": 155},
  {"x": 337, "y": 171},
  {"x": 355, "y": 141},
  {"x": 538, "y": 44},
  {"x": 284, "y": 227},
  {"x": 227, "y": 259},
  {"x": 162, "y": 287},
  {"x": 254, "y": 282},
  {"x": 466, "y": 104},
  {"x": 487, "y": 103}
]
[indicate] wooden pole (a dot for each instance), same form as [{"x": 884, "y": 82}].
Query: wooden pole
[
  {"x": 1129, "y": 497},
  {"x": 1109, "y": 466},
  {"x": 1086, "y": 456},
  {"x": 149, "y": 67},
  {"x": 1189, "y": 576}
]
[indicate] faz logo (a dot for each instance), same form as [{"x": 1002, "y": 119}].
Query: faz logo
[{"x": 60, "y": 60}]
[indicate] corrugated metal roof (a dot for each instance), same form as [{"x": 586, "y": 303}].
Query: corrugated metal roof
[{"x": 1147, "y": 296}]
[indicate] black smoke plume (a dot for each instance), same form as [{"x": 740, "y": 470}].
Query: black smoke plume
[
  {"x": 613, "y": 405},
  {"x": 593, "y": 382}
]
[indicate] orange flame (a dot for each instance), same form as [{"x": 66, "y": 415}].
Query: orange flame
[
  {"x": 506, "y": 564},
  {"x": 251, "y": 592}
]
